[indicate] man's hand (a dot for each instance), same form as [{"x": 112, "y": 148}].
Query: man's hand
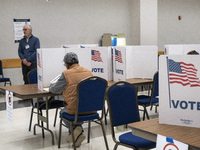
[
  {"x": 51, "y": 84},
  {"x": 28, "y": 64},
  {"x": 25, "y": 62}
]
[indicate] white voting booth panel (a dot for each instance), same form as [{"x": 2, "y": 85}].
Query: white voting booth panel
[
  {"x": 84, "y": 56},
  {"x": 179, "y": 86},
  {"x": 119, "y": 63},
  {"x": 101, "y": 62},
  {"x": 134, "y": 62},
  {"x": 181, "y": 49},
  {"x": 174, "y": 49},
  {"x": 50, "y": 63},
  {"x": 88, "y": 45},
  {"x": 70, "y": 46}
]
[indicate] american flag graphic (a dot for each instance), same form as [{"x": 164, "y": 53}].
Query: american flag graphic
[
  {"x": 96, "y": 56},
  {"x": 118, "y": 56},
  {"x": 183, "y": 73},
  {"x": 38, "y": 60}
]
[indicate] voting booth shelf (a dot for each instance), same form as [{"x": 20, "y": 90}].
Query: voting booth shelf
[
  {"x": 50, "y": 62},
  {"x": 79, "y": 45},
  {"x": 179, "y": 87},
  {"x": 181, "y": 49},
  {"x": 134, "y": 62}
]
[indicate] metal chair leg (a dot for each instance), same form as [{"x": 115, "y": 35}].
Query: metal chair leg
[
  {"x": 55, "y": 117},
  {"x": 89, "y": 123},
  {"x": 104, "y": 134},
  {"x": 151, "y": 107},
  {"x": 60, "y": 132},
  {"x": 105, "y": 115},
  {"x": 145, "y": 111},
  {"x": 72, "y": 132}
]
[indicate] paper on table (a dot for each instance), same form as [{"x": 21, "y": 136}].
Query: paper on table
[
  {"x": 55, "y": 79},
  {"x": 46, "y": 89}
]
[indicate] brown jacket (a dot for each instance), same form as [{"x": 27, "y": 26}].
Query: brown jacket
[{"x": 73, "y": 76}]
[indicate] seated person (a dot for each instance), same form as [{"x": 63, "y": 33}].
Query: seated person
[
  {"x": 67, "y": 85},
  {"x": 192, "y": 52}
]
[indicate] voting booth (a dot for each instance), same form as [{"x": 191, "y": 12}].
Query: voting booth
[
  {"x": 101, "y": 62},
  {"x": 50, "y": 63},
  {"x": 134, "y": 62},
  {"x": 181, "y": 49},
  {"x": 179, "y": 86},
  {"x": 101, "y": 59}
]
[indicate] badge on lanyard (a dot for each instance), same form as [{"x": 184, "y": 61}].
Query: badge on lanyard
[{"x": 27, "y": 46}]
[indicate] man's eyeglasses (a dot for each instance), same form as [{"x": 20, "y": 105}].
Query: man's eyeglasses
[{"x": 24, "y": 29}]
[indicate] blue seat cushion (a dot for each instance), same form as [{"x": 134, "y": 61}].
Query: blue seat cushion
[
  {"x": 144, "y": 100},
  {"x": 130, "y": 139},
  {"x": 4, "y": 79},
  {"x": 80, "y": 117},
  {"x": 54, "y": 104}
]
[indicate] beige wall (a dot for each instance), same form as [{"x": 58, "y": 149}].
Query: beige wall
[
  {"x": 174, "y": 31},
  {"x": 66, "y": 22},
  {"x": 84, "y": 21},
  {"x": 148, "y": 22}
]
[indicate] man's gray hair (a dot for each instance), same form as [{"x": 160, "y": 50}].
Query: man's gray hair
[
  {"x": 29, "y": 26},
  {"x": 70, "y": 58}
]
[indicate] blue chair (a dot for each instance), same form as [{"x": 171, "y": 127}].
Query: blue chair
[
  {"x": 53, "y": 104},
  {"x": 90, "y": 97},
  {"x": 123, "y": 109},
  {"x": 2, "y": 79},
  {"x": 153, "y": 100}
]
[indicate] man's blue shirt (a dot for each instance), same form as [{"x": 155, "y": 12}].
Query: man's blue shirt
[{"x": 27, "y": 50}]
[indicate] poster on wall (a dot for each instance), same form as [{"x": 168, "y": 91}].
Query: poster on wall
[{"x": 18, "y": 28}]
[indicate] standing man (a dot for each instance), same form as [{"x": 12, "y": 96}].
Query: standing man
[
  {"x": 28, "y": 46},
  {"x": 67, "y": 85}
]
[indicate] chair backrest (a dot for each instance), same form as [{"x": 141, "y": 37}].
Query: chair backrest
[
  {"x": 122, "y": 103},
  {"x": 155, "y": 91},
  {"x": 91, "y": 94},
  {"x": 32, "y": 76},
  {"x": 1, "y": 70}
]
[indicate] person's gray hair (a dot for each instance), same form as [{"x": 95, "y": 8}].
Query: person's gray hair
[
  {"x": 29, "y": 26},
  {"x": 71, "y": 58}
]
